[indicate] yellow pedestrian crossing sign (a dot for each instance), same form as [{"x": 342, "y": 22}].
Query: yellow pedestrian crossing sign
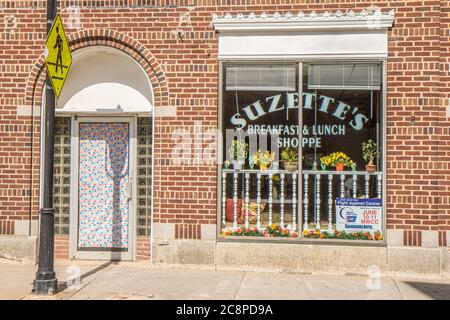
[{"x": 58, "y": 58}]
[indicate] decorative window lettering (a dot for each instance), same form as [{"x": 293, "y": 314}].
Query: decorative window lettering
[{"x": 280, "y": 102}]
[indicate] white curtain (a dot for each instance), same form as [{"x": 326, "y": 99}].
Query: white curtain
[
  {"x": 259, "y": 77},
  {"x": 361, "y": 76}
]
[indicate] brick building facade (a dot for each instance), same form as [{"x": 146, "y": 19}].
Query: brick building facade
[{"x": 176, "y": 45}]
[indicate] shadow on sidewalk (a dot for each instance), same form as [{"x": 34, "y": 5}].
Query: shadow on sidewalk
[
  {"x": 66, "y": 284},
  {"x": 437, "y": 291}
]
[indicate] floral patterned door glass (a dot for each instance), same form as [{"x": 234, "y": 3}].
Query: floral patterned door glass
[{"x": 103, "y": 179}]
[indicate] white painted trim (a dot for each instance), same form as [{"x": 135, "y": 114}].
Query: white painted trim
[
  {"x": 332, "y": 36},
  {"x": 74, "y": 200},
  {"x": 384, "y": 150},
  {"x": 304, "y": 57},
  {"x": 152, "y": 181},
  {"x": 366, "y": 19}
]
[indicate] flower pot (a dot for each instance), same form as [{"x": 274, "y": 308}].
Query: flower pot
[
  {"x": 263, "y": 167},
  {"x": 237, "y": 165},
  {"x": 340, "y": 167},
  {"x": 371, "y": 168},
  {"x": 291, "y": 167}
]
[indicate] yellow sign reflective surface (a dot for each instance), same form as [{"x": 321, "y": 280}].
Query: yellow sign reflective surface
[{"x": 58, "y": 58}]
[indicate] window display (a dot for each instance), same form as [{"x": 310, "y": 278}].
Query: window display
[{"x": 293, "y": 165}]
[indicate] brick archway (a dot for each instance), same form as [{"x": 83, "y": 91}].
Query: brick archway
[
  {"x": 109, "y": 38},
  {"x": 34, "y": 93}
]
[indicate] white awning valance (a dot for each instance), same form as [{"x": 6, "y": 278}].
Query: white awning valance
[{"x": 294, "y": 36}]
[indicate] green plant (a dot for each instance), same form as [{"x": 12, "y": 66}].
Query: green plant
[
  {"x": 370, "y": 151},
  {"x": 317, "y": 234},
  {"x": 289, "y": 155},
  {"x": 238, "y": 150},
  {"x": 263, "y": 158},
  {"x": 335, "y": 158},
  {"x": 271, "y": 231}
]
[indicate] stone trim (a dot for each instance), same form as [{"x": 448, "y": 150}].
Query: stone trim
[{"x": 365, "y": 19}]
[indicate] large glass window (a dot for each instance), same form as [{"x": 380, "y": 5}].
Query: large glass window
[{"x": 282, "y": 176}]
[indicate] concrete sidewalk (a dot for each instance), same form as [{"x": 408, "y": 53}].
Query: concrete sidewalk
[{"x": 142, "y": 281}]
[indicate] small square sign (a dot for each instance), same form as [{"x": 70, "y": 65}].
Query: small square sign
[{"x": 359, "y": 215}]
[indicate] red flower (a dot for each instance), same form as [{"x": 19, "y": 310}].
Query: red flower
[{"x": 294, "y": 235}]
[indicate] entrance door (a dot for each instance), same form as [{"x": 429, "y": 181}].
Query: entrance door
[{"x": 103, "y": 183}]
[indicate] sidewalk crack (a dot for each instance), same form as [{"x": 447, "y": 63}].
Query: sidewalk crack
[
  {"x": 68, "y": 295},
  {"x": 240, "y": 285},
  {"x": 398, "y": 288}
]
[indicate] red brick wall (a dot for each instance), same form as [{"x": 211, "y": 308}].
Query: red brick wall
[
  {"x": 143, "y": 248},
  {"x": 185, "y": 74},
  {"x": 6, "y": 226},
  {"x": 61, "y": 247},
  {"x": 444, "y": 116}
]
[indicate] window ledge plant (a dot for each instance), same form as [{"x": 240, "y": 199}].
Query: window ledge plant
[
  {"x": 289, "y": 156},
  {"x": 317, "y": 234},
  {"x": 263, "y": 159},
  {"x": 238, "y": 153},
  {"x": 338, "y": 160},
  {"x": 271, "y": 231},
  {"x": 370, "y": 153}
]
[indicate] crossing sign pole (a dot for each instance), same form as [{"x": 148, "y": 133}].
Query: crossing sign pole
[{"x": 45, "y": 281}]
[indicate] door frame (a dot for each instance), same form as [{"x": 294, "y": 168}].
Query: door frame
[{"x": 74, "y": 252}]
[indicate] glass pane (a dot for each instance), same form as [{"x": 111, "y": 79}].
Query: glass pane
[
  {"x": 341, "y": 111},
  {"x": 61, "y": 178},
  {"x": 144, "y": 160},
  {"x": 260, "y": 113}
]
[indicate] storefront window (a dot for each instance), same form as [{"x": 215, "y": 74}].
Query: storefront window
[{"x": 297, "y": 167}]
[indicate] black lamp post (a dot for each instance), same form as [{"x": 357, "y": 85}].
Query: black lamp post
[{"x": 45, "y": 281}]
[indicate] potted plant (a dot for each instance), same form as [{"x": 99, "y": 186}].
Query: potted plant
[
  {"x": 289, "y": 156},
  {"x": 238, "y": 153},
  {"x": 336, "y": 159},
  {"x": 263, "y": 159},
  {"x": 369, "y": 153}
]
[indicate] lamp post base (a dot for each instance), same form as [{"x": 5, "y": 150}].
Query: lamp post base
[{"x": 45, "y": 286}]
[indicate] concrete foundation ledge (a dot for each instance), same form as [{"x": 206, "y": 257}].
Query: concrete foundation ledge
[
  {"x": 301, "y": 258},
  {"x": 418, "y": 262},
  {"x": 19, "y": 248},
  {"x": 304, "y": 258},
  {"x": 183, "y": 252}
]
